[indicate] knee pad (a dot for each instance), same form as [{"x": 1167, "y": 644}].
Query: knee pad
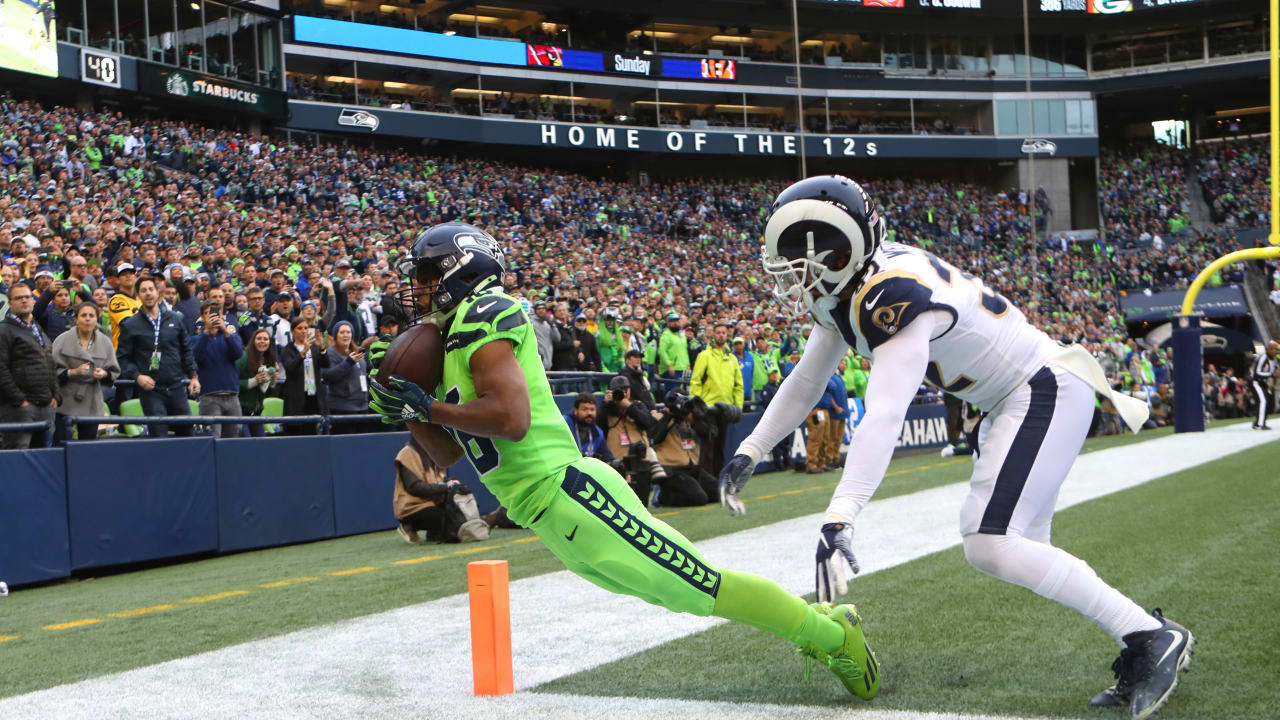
[{"x": 988, "y": 553}]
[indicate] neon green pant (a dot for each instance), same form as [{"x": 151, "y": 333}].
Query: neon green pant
[{"x": 602, "y": 532}]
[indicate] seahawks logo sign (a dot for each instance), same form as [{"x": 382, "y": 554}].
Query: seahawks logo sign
[{"x": 358, "y": 118}]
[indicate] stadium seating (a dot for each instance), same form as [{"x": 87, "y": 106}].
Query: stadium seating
[{"x": 215, "y": 202}]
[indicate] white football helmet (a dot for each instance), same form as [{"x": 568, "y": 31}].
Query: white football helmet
[{"x": 820, "y": 234}]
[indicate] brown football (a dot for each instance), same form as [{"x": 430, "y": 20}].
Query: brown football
[{"x": 416, "y": 355}]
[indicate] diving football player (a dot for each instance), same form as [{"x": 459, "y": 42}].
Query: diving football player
[{"x": 494, "y": 406}]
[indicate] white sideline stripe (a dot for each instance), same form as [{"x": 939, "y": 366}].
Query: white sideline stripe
[{"x": 417, "y": 659}]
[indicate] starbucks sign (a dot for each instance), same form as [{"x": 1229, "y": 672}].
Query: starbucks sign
[{"x": 204, "y": 89}]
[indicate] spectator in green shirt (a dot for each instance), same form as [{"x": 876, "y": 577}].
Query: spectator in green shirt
[
  {"x": 673, "y": 350},
  {"x": 766, "y": 361}
]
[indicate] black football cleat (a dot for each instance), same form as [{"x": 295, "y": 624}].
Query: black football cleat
[
  {"x": 1111, "y": 697},
  {"x": 1147, "y": 669}
]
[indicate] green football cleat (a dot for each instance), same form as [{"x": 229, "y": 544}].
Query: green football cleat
[{"x": 853, "y": 663}]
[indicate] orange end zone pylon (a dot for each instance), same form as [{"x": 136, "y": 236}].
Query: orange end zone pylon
[{"x": 488, "y": 588}]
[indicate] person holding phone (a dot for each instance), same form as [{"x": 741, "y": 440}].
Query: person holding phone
[
  {"x": 216, "y": 351},
  {"x": 346, "y": 380},
  {"x": 303, "y": 361}
]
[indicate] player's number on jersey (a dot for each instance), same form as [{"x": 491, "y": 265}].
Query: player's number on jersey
[
  {"x": 484, "y": 455},
  {"x": 991, "y": 301}
]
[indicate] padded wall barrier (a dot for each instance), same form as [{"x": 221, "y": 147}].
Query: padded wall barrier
[
  {"x": 274, "y": 491},
  {"x": 364, "y": 479},
  {"x": 135, "y": 501},
  {"x": 34, "y": 544}
]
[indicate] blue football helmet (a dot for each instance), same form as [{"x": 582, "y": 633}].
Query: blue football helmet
[
  {"x": 447, "y": 263},
  {"x": 820, "y": 235}
]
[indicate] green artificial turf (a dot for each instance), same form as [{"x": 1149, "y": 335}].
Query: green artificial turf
[
  {"x": 1199, "y": 543},
  {"x": 34, "y": 657}
]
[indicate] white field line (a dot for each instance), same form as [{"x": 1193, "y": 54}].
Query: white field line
[{"x": 417, "y": 659}]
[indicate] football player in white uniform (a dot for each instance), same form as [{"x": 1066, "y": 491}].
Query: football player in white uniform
[{"x": 918, "y": 317}]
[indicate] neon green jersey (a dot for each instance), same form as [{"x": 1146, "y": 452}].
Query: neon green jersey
[{"x": 522, "y": 475}]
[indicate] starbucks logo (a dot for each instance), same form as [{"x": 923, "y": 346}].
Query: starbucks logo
[{"x": 177, "y": 85}]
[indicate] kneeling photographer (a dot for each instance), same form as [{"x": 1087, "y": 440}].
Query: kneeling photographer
[
  {"x": 678, "y": 436},
  {"x": 626, "y": 427},
  {"x": 426, "y": 500}
]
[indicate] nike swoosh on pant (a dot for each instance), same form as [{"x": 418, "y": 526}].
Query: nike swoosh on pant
[{"x": 569, "y": 537}]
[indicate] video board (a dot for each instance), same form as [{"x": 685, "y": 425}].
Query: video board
[{"x": 29, "y": 37}]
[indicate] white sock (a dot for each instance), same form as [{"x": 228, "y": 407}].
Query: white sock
[{"x": 1058, "y": 575}]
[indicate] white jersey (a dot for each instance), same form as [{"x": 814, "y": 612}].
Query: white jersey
[{"x": 988, "y": 350}]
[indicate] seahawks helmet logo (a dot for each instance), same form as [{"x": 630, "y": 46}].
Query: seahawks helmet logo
[{"x": 358, "y": 118}]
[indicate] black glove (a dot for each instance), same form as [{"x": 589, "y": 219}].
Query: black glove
[{"x": 733, "y": 478}]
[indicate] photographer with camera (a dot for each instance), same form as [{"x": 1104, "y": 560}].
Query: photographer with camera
[
  {"x": 633, "y": 371},
  {"x": 678, "y": 437},
  {"x": 626, "y": 424}
]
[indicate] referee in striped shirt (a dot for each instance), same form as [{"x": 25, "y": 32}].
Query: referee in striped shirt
[{"x": 1264, "y": 368}]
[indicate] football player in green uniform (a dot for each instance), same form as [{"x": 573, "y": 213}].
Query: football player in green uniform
[{"x": 494, "y": 406}]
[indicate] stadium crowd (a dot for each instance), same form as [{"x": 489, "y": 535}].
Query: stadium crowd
[
  {"x": 245, "y": 270},
  {"x": 1233, "y": 176}
]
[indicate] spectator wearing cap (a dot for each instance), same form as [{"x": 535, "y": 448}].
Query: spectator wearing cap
[
  {"x": 303, "y": 360},
  {"x": 283, "y": 312},
  {"x": 638, "y": 379},
  {"x": 154, "y": 351},
  {"x": 545, "y": 332},
  {"x": 122, "y": 305},
  {"x": 216, "y": 351},
  {"x": 588, "y": 353},
  {"x": 279, "y": 286},
  {"x": 747, "y": 363},
  {"x": 346, "y": 379},
  {"x": 86, "y": 364},
  {"x": 188, "y": 304},
  {"x": 673, "y": 350},
  {"x": 42, "y": 280},
  {"x": 28, "y": 384}
]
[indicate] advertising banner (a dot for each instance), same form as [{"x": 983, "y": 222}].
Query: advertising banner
[{"x": 187, "y": 86}]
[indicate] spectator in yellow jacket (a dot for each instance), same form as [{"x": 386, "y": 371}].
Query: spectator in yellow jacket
[
  {"x": 716, "y": 375},
  {"x": 716, "y": 378}
]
